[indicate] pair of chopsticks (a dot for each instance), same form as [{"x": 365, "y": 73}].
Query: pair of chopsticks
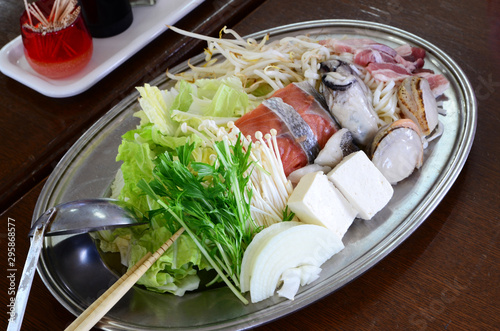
[{"x": 108, "y": 299}]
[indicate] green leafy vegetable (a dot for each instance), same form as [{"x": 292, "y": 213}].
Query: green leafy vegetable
[
  {"x": 189, "y": 114},
  {"x": 173, "y": 272},
  {"x": 184, "y": 99},
  {"x": 211, "y": 202},
  {"x": 153, "y": 103},
  {"x": 138, "y": 164}
]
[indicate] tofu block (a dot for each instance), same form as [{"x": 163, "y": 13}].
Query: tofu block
[
  {"x": 362, "y": 184},
  {"x": 315, "y": 200}
]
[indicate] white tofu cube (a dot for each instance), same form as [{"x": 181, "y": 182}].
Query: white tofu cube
[
  {"x": 316, "y": 201},
  {"x": 362, "y": 184}
]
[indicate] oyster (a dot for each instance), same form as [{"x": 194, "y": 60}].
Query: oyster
[
  {"x": 337, "y": 147},
  {"x": 349, "y": 100},
  {"x": 397, "y": 150},
  {"x": 416, "y": 101}
]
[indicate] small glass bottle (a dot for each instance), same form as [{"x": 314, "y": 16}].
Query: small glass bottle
[{"x": 55, "y": 52}]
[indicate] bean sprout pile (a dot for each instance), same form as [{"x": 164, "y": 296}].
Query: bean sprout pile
[{"x": 278, "y": 63}]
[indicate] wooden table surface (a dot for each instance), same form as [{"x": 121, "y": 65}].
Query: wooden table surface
[{"x": 443, "y": 277}]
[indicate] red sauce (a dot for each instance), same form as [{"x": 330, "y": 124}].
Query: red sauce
[{"x": 56, "y": 54}]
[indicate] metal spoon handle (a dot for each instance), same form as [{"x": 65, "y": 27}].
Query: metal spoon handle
[{"x": 16, "y": 318}]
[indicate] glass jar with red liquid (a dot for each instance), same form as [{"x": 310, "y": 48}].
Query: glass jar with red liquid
[{"x": 55, "y": 52}]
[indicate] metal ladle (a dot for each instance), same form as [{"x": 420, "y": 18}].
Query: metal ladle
[{"x": 78, "y": 216}]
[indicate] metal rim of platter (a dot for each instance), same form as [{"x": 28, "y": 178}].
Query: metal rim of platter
[{"x": 78, "y": 175}]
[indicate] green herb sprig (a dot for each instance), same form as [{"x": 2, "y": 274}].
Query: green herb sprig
[{"x": 212, "y": 202}]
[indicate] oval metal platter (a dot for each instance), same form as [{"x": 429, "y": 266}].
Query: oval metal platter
[{"x": 72, "y": 268}]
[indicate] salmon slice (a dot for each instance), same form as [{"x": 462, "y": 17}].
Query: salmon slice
[{"x": 303, "y": 124}]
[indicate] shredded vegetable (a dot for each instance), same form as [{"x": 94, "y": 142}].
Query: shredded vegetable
[
  {"x": 279, "y": 63},
  {"x": 258, "y": 64}
]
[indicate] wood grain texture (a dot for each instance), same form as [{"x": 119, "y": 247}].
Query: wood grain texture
[{"x": 443, "y": 277}]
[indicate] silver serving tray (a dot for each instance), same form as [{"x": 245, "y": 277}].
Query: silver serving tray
[{"x": 73, "y": 271}]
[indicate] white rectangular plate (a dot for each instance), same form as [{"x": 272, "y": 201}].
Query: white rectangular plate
[{"x": 149, "y": 22}]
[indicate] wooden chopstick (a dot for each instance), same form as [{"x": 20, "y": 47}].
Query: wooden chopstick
[{"x": 108, "y": 299}]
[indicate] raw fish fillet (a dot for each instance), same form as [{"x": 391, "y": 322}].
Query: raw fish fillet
[{"x": 300, "y": 138}]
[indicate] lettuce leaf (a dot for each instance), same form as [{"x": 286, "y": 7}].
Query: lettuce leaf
[
  {"x": 184, "y": 98},
  {"x": 228, "y": 99},
  {"x": 220, "y": 100},
  {"x": 162, "y": 115},
  {"x": 153, "y": 103},
  {"x": 174, "y": 271}
]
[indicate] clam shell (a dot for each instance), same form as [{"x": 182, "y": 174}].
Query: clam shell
[{"x": 397, "y": 150}]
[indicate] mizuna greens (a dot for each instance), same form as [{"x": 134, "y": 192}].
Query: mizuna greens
[{"x": 211, "y": 202}]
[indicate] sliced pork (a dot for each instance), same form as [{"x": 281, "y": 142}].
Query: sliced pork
[{"x": 387, "y": 64}]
